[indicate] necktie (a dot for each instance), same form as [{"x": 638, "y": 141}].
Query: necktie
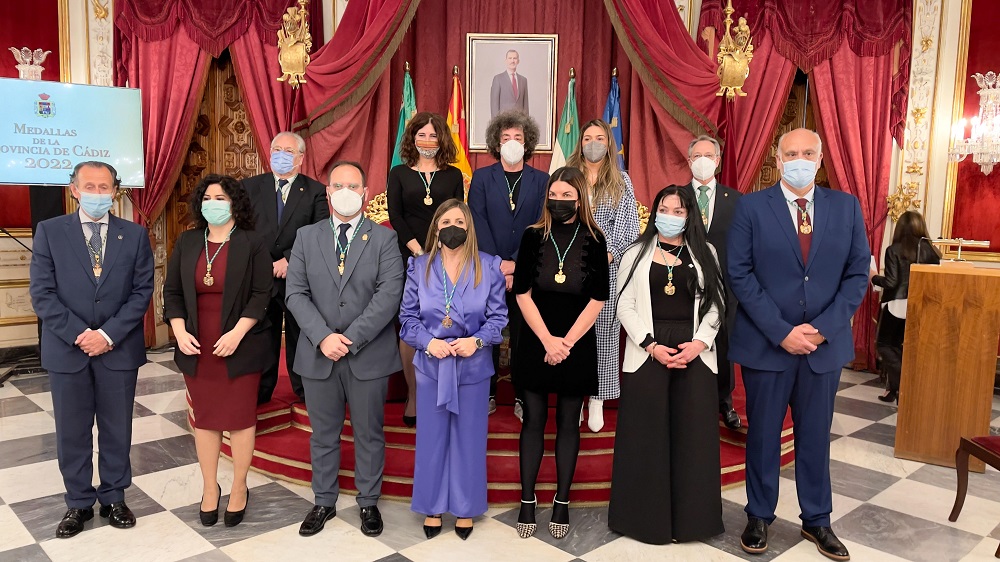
[
  {"x": 342, "y": 239},
  {"x": 280, "y": 200},
  {"x": 804, "y": 239},
  {"x": 95, "y": 243},
  {"x": 703, "y": 202},
  {"x": 513, "y": 82}
]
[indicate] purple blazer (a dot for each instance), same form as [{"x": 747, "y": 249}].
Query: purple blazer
[{"x": 476, "y": 311}]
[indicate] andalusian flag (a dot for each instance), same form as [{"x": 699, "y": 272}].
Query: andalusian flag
[
  {"x": 568, "y": 134},
  {"x": 613, "y": 116},
  {"x": 406, "y": 112},
  {"x": 456, "y": 122}
]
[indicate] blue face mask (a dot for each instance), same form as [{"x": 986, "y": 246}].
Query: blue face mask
[
  {"x": 216, "y": 212},
  {"x": 282, "y": 162},
  {"x": 96, "y": 205},
  {"x": 670, "y": 226},
  {"x": 799, "y": 173}
]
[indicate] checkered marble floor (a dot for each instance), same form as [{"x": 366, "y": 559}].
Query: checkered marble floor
[{"x": 884, "y": 508}]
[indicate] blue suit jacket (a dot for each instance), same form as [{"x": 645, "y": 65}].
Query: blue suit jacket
[
  {"x": 777, "y": 292},
  {"x": 68, "y": 298},
  {"x": 498, "y": 230}
]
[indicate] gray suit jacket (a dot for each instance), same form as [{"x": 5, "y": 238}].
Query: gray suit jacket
[
  {"x": 502, "y": 94},
  {"x": 361, "y": 304}
]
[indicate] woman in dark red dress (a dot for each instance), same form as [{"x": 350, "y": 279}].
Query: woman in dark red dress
[{"x": 215, "y": 297}]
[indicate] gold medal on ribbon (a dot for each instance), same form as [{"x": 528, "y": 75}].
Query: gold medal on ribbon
[
  {"x": 560, "y": 277},
  {"x": 428, "y": 200},
  {"x": 670, "y": 289},
  {"x": 208, "y": 280},
  {"x": 447, "y": 323},
  {"x": 805, "y": 228},
  {"x": 97, "y": 271}
]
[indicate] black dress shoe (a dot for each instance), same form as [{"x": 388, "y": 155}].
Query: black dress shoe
[
  {"x": 209, "y": 518},
  {"x": 371, "y": 521},
  {"x": 826, "y": 542},
  {"x": 754, "y": 537},
  {"x": 316, "y": 519},
  {"x": 234, "y": 518},
  {"x": 463, "y": 532},
  {"x": 889, "y": 396},
  {"x": 432, "y": 531},
  {"x": 72, "y": 522},
  {"x": 732, "y": 419},
  {"x": 410, "y": 421},
  {"x": 119, "y": 515}
]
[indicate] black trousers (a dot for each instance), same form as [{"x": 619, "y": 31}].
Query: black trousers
[
  {"x": 278, "y": 313},
  {"x": 727, "y": 372},
  {"x": 514, "y": 328}
]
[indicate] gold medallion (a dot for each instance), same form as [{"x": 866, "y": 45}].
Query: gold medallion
[
  {"x": 560, "y": 277},
  {"x": 704, "y": 219},
  {"x": 447, "y": 323},
  {"x": 340, "y": 268},
  {"x": 805, "y": 228},
  {"x": 669, "y": 289},
  {"x": 97, "y": 271},
  {"x": 428, "y": 200},
  {"x": 511, "y": 199},
  {"x": 208, "y": 280}
]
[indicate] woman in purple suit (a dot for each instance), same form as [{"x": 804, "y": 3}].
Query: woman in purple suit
[{"x": 452, "y": 313}]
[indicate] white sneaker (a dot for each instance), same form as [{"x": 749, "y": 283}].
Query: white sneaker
[
  {"x": 595, "y": 418},
  {"x": 518, "y": 411}
]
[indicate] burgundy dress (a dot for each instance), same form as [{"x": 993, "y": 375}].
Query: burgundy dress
[{"x": 220, "y": 403}]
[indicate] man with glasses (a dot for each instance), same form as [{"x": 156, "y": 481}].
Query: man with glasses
[{"x": 284, "y": 200}]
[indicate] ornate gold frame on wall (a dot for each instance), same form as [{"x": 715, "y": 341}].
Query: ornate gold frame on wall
[{"x": 958, "y": 109}]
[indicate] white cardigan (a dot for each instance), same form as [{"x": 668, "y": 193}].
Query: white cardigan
[{"x": 636, "y": 311}]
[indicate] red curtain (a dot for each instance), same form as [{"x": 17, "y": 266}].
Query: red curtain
[
  {"x": 171, "y": 74},
  {"x": 852, "y": 99},
  {"x": 270, "y": 104}
]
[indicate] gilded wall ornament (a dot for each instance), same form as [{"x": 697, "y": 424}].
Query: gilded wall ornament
[
  {"x": 294, "y": 45},
  {"x": 735, "y": 54}
]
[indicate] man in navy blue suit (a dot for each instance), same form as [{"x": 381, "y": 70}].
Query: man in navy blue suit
[
  {"x": 506, "y": 198},
  {"x": 91, "y": 282},
  {"x": 798, "y": 264}
]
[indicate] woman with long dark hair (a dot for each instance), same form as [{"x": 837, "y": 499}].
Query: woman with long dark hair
[
  {"x": 215, "y": 298},
  {"x": 665, "y": 480},
  {"x": 908, "y": 247},
  {"x": 561, "y": 282}
]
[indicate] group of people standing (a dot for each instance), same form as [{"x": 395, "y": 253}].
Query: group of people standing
[{"x": 557, "y": 259}]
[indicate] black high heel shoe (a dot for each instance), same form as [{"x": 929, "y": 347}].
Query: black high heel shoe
[
  {"x": 209, "y": 518},
  {"x": 409, "y": 421},
  {"x": 889, "y": 396},
  {"x": 463, "y": 532},
  {"x": 234, "y": 518},
  {"x": 431, "y": 532}
]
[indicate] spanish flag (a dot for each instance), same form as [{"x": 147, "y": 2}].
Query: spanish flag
[{"x": 456, "y": 122}]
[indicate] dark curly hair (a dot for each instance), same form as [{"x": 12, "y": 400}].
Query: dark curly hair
[
  {"x": 241, "y": 207},
  {"x": 447, "y": 153},
  {"x": 513, "y": 119}
]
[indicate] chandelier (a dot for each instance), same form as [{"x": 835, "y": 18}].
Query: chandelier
[{"x": 984, "y": 141}]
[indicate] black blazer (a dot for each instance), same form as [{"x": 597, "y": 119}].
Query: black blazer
[
  {"x": 896, "y": 281},
  {"x": 247, "y": 292},
  {"x": 306, "y": 204},
  {"x": 725, "y": 206}
]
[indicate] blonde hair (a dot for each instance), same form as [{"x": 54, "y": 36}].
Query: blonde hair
[
  {"x": 471, "y": 251},
  {"x": 575, "y": 178},
  {"x": 610, "y": 184}
]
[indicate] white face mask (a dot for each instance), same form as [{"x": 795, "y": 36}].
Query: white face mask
[
  {"x": 512, "y": 151},
  {"x": 345, "y": 202},
  {"x": 703, "y": 168}
]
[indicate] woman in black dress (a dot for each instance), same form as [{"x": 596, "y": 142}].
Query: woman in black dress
[
  {"x": 561, "y": 281},
  {"x": 908, "y": 247},
  {"x": 665, "y": 479},
  {"x": 416, "y": 188},
  {"x": 215, "y": 298}
]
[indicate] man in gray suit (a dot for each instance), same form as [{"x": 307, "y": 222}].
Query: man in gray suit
[
  {"x": 510, "y": 89},
  {"x": 344, "y": 285}
]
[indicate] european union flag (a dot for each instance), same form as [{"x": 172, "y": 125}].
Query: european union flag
[{"x": 613, "y": 116}]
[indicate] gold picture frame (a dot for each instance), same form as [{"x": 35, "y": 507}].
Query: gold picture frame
[{"x": 14, "y": 299}]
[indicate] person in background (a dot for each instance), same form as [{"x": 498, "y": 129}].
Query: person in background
[
  {"x": 415, "y": 190},
  {"x": 509, "y": 90},
  {"x": 910, "y": 245},
  {"x": 561, "y": 282},
  {"x": 284, "y": 201},
  {"x": 91, "y": 283},
  {"x": 221, "y": 267},
  {"x": 716, "y": 204},
  {"x": 506, "y": 198},
  {"x": 453, "y": 312},
  {"x": 665, "y": 482},
  {"x": 610, "y": 195}
]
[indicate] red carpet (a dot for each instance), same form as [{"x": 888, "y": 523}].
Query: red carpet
[{"x": 282, "y": 449}]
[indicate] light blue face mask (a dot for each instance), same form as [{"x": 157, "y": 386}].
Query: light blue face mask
[
  {"x": 216, "y": 213},
  {"x": 282, "y": 162},
  {"x": 96, "y": 205},
  {"x": 670, "y": 226},
  {"x": 798, "y": 173}
]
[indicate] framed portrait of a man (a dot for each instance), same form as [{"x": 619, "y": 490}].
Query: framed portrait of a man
[{"x": 507, "y": 72}]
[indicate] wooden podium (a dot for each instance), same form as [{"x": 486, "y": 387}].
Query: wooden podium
[{"x": 949, "y": 360}]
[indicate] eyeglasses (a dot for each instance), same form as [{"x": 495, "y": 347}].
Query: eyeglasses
[{"x": 276, "y": 149}]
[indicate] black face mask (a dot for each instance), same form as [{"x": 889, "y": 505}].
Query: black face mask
[
  {"x": 561, "y": 210},
  {"x": 453, "y": 236}
]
